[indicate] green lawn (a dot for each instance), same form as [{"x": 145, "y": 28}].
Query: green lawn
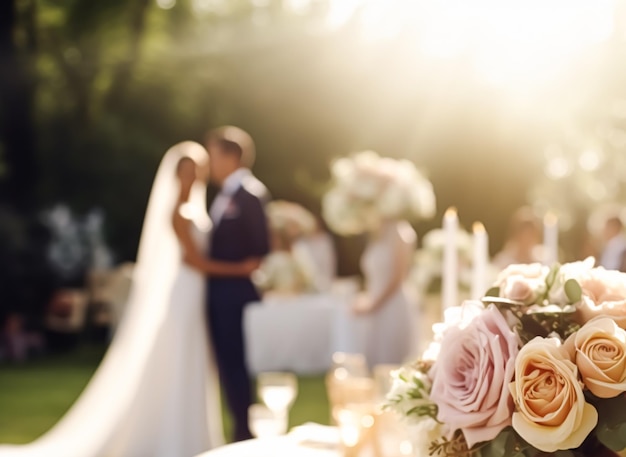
[{"x": 35, "y": 395}]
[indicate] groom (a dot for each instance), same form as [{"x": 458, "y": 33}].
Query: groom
[{"x": 240, "y": 233}]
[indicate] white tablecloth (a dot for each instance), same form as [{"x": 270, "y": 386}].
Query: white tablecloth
[
  {"x": 300, "y": 333},
  {"x": 270, "y": 447},
  {"x": 292, "y": 333},
  {"x": 308, "y": 440}
]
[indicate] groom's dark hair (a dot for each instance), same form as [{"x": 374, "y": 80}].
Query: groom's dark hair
[
  {"x": 235, "y": 141},
  {"x": 230, "y": 147}
]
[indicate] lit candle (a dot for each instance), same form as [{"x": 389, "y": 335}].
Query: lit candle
[
  {"x": 449, "y": 274},
  {"x": 480, "y": 260},
  {"x": 550, "y": 239}
]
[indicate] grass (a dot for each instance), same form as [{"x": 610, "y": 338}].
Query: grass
[{"x": 33, "y": 396}]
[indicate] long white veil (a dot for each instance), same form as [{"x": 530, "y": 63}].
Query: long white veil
[{"x": 92, "y": 421}]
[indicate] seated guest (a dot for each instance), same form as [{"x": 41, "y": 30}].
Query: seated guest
[
  {"x": 317, "y": 250},
  {"x": 614, "y": 252},
  {"x": 523, "y": 244}
]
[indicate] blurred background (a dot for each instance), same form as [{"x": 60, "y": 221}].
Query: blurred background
[{"x": 500, "y": 104}]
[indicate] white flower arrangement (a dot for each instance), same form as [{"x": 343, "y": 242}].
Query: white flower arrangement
[
  {"x": 290, "y": 220},
  {"x": 368, "y": 189},
  {"x": 283, "y": 273}
]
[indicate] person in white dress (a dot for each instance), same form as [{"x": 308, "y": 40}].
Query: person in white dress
[
  {"x": 385, "y": 305},
  {"x": 156, "y": 392}
]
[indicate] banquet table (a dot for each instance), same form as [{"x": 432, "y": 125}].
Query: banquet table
[
  {"x": 308, "y": 440},
  {"x": 290, "y": 333},
  {"x": 300, "y": 333},
  {"x": 283, "y": 446}
]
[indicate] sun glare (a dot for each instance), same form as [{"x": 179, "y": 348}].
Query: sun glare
[{"x": 508, "y": 42}]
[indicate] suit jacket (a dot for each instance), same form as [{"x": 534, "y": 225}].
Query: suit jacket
[{"x": 241, "y": 233}]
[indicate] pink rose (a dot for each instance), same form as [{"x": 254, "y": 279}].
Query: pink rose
[
  {"x": 523, "y": 283},
  {"x": 472, "y": 374},
  {"x": 604, "y": 294}
]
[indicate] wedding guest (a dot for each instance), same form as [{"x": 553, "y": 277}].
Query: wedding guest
[
  {"x": 614, "y": 252},
  {"x": 318, "y": 250},
  {"x": 523, "y": 244},
  {"x": 385, "y": 304}
]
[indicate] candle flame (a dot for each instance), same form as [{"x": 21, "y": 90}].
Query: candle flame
[
  {"x": 478, "y": 227},
  {"x": 550, "y": 218},
  {"x": 451, "y": 212}
]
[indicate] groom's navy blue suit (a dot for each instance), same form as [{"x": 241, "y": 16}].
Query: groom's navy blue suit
[{"x": 241, "y": 233}]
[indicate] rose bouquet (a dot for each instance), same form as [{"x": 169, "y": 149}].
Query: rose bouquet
[
  {"x": 368, "y": 189},
  {"x": 537, "y": 368}
]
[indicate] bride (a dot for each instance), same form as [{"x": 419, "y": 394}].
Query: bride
[{"x": 156, "y": 392}]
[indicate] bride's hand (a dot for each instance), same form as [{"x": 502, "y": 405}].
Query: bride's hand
[{"x": 250, "y": 265}]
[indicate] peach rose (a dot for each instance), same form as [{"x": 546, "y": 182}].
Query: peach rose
[
  {"x": 523, "y": 283},
  {"x": 604, "y": 294},
  {"x": 600, "y": 351},
  {"x": 552, "y": 413}
]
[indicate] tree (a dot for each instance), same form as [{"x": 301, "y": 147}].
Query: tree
[{"x": 18, "y": 83}]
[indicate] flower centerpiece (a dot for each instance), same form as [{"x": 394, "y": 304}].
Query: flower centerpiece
[
  {"x": 537, "y": 368},
  {"x": 283, "y": 271},
  {"x": 368, "y": 189},
  {"x": 290, "y": 220}
]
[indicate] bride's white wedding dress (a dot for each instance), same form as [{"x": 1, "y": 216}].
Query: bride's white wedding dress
[{"x": 156, "y": 392}]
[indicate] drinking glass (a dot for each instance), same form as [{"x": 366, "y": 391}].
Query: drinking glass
[
  {"x": 265, "y": 423},
  {"x": 278, "y": 391},
  {"x": 347, "y": 365}
]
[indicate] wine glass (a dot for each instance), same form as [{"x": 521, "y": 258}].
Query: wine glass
[
  {"x": 278, "y": 391},
  {"x": 265, "y": 423},
  {"x": 355, "y": 424}
]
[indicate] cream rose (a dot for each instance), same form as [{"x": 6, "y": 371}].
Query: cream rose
[
  {"x": 552, "y": 413},
  {"x": 523, "y": 283},
  {"x": 604, "y": 294},
  {"x": 600, "y": 351}
]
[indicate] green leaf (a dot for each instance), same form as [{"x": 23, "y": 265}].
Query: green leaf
[
  {"x": 613, "y": 437},
  {"x": 493, "y": 292},
  {"x": 611, "y": 411},
  {"x": 611, "y": 429},
  {"x": 573, "y": 290},
  {"x": 551, "y": 278},
  {"x": 497, "y": 446}
]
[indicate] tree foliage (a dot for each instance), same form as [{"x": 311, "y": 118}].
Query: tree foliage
[{"x": 97, "y": 91}]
